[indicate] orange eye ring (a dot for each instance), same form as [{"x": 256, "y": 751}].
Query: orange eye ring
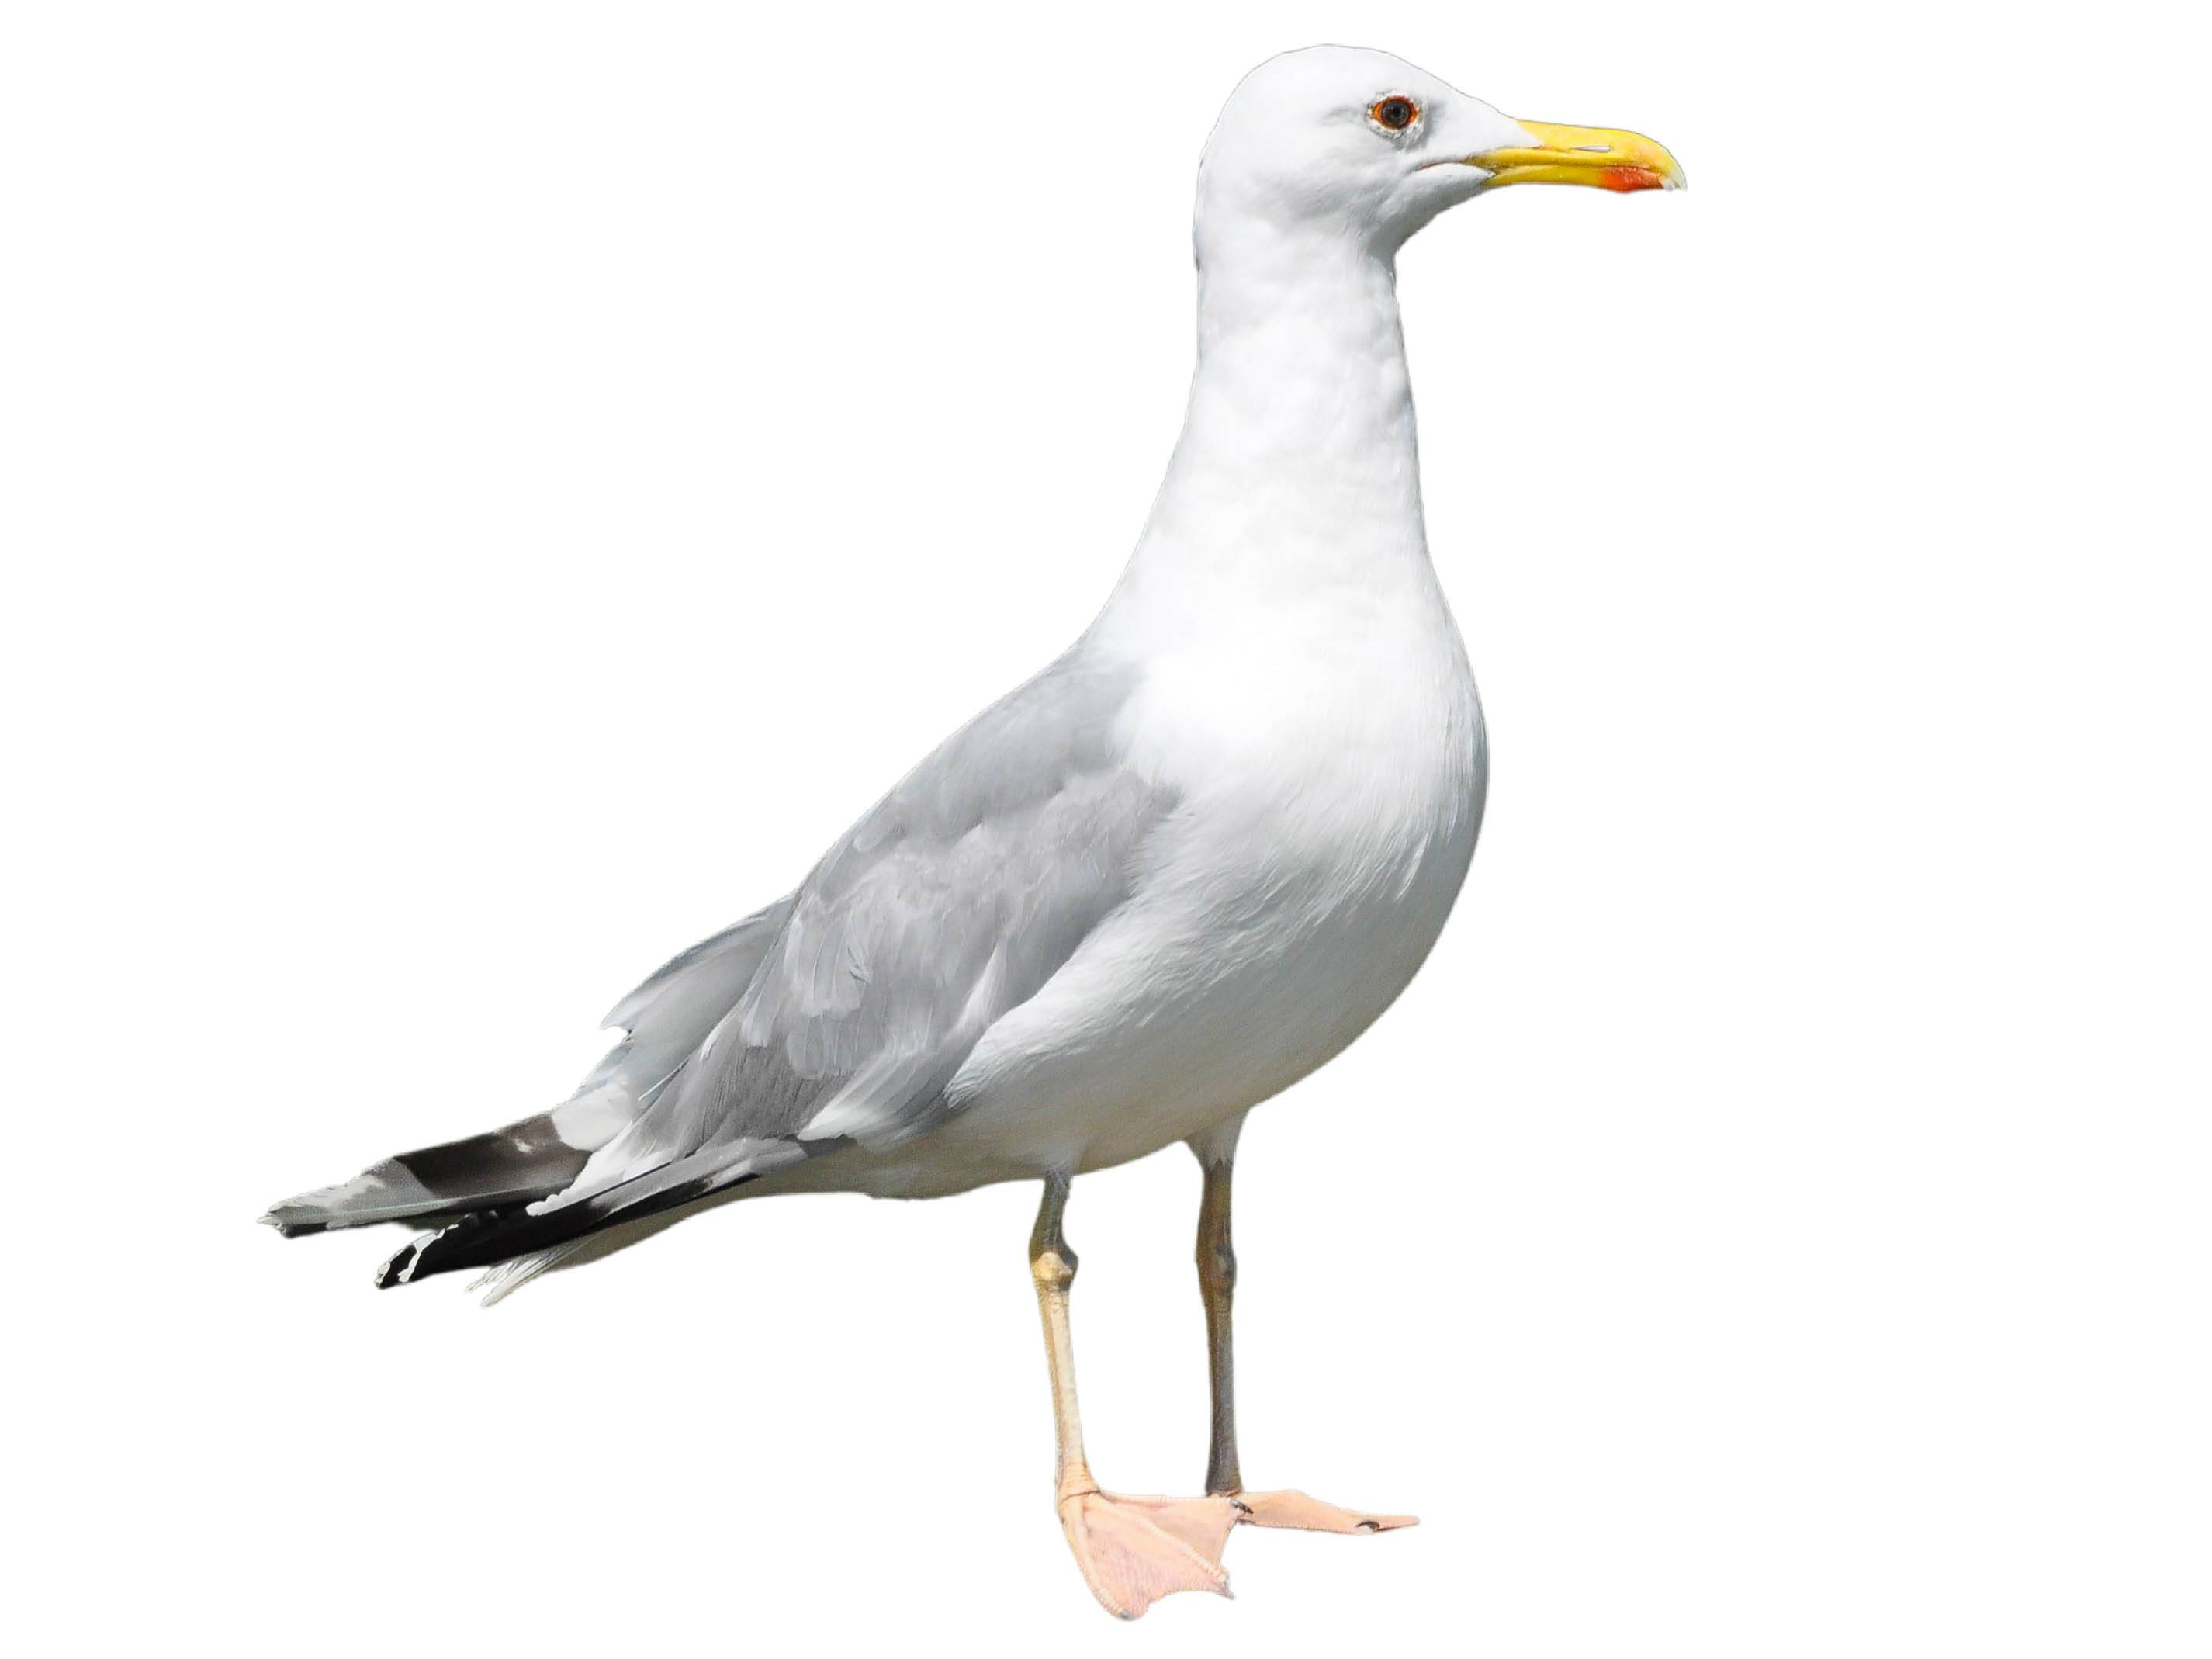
[{"x": 1395, "y": 113}]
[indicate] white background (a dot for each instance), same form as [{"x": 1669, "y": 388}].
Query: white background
[{"x": 491, "y": 490}]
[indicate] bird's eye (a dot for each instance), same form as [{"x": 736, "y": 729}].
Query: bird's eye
[{"x": 1395, "y": 113}]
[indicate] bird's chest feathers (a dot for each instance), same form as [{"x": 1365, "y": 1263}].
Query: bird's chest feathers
[{"x": 1334, "y": 752}]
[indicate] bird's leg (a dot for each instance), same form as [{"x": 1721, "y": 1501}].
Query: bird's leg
[
  {"x": 1132, "y": 1551},
  {"x": 1217, "y": 1280},
  {"x": 1052, "y": 1269},
  {"x": 1216, "y": 1283}
]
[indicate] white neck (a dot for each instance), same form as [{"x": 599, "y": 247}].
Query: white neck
[{"x": 1296, "y": 478}]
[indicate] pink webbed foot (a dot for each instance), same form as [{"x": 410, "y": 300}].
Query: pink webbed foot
[
  {"x": 1294, "y": 1510},
  {"x": 1133, "y": 1550}
]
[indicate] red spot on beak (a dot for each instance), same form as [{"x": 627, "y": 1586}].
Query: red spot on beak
[{"x": 1627, "y": 179}]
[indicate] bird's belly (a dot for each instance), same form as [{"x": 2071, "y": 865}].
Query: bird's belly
[{"x": 1210, "y": 1044}]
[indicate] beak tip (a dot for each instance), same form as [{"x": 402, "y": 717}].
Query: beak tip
[{"x": 1606, "y": 157}]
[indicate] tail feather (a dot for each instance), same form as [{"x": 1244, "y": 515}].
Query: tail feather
[
  {"x": 663, "y": 1020},
  {"x": 503, "y": 1278}
]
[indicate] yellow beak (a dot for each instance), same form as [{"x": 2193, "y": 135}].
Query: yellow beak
[{"x": 1583, "y": 155}]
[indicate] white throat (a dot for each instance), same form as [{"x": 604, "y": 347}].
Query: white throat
[{"x": 1296, "y": 484}]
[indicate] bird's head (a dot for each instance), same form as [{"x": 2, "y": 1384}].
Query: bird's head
[{"x": 1350, "y": 143}]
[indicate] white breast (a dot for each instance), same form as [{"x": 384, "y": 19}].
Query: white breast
[{"x": 1331, "y": 795}]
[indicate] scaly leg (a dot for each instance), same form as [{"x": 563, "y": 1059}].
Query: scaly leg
[
  {"x": 1132, "y": 1551},
  {"x": 1216, "y": 1279}
]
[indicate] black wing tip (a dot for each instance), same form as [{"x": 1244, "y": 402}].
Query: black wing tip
[
  {"x": 443, "y": 1251},
  {"x": 400, "y": 1268},
  {"x": 484, "y": 1239}
]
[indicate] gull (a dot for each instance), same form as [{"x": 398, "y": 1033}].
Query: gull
[{"x": 1181, "y": 868}]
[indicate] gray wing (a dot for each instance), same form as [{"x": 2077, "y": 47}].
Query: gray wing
[
  {"x": 666, "y": 1018},
  {"x": 952, "y": 901}
]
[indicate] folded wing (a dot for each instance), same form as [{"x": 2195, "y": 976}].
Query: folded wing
[{"x": 953, "y": 901}]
